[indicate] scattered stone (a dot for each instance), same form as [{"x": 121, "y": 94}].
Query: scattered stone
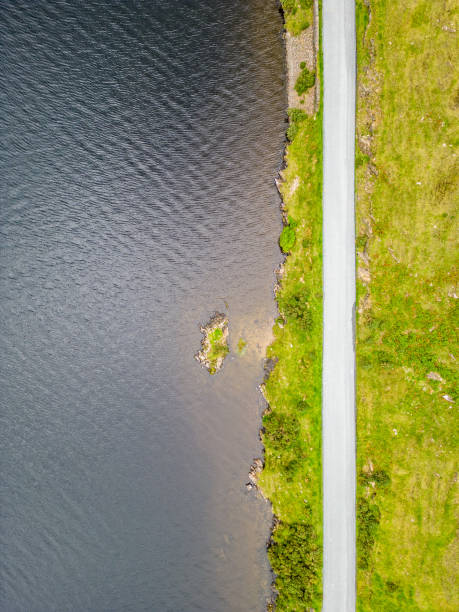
[
  {"x": 363, "y": 274},
  {"x": 279, "y": 272},
  {"x": 255, "y": 469},
  {"x": 364, "y": 303},
  {"x": 294, "y": 186}
]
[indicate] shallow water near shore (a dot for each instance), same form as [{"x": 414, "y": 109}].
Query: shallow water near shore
[{"x": 140, "y": 145}]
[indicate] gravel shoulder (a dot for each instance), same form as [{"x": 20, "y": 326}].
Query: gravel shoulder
[{"x": 303, "y": 48}]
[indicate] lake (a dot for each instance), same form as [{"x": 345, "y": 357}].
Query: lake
[{"x": 140, "y": 142}]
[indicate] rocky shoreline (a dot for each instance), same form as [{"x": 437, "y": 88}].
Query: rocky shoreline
[
  {"x": 302, "y": 570},
  {"x": 255, "y": 470}
]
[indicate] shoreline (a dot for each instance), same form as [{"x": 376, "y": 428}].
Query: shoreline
[{"x": 291, "y": 432}]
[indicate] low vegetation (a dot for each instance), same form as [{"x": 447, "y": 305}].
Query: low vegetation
[
  {"x": 297, "y": 15},
  {"x": 295, "y": 557},
  {"x": 291, "y": 432},
  {"x": 407, "y": 194},
  {"x": 287, "y": 238},
  {"x": 305, "y": 80}
]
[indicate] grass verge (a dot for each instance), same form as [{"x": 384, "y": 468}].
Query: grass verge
[
  {"x": 406, "y": 179},
  {"x": 291, "y": 432},
  {"x": 297, "y": 15}
]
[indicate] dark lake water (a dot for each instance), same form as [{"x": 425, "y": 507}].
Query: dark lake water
[{"x": 139, "y": 143}]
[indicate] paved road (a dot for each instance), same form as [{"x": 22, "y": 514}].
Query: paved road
[{"x": 339, "y": 303}]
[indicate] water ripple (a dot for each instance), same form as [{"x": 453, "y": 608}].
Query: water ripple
[{"x": 140, "y": 141}]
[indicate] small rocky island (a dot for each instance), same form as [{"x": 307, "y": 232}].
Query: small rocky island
[{"x": 214, "y": 345}]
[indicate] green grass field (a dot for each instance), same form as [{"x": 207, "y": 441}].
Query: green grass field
[{"x": 407, "y": 195}]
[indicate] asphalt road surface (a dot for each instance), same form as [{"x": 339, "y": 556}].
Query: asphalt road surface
[{"x": 338, "y": 436}]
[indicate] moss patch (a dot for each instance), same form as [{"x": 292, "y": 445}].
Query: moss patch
[{"x": 241, "y": 346}]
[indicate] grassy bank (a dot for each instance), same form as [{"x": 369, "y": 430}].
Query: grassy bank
[
  {"x": 291, "y": 478},
  {"x": 407, "y": 306},
  {"x": 297, "y": 15}
]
